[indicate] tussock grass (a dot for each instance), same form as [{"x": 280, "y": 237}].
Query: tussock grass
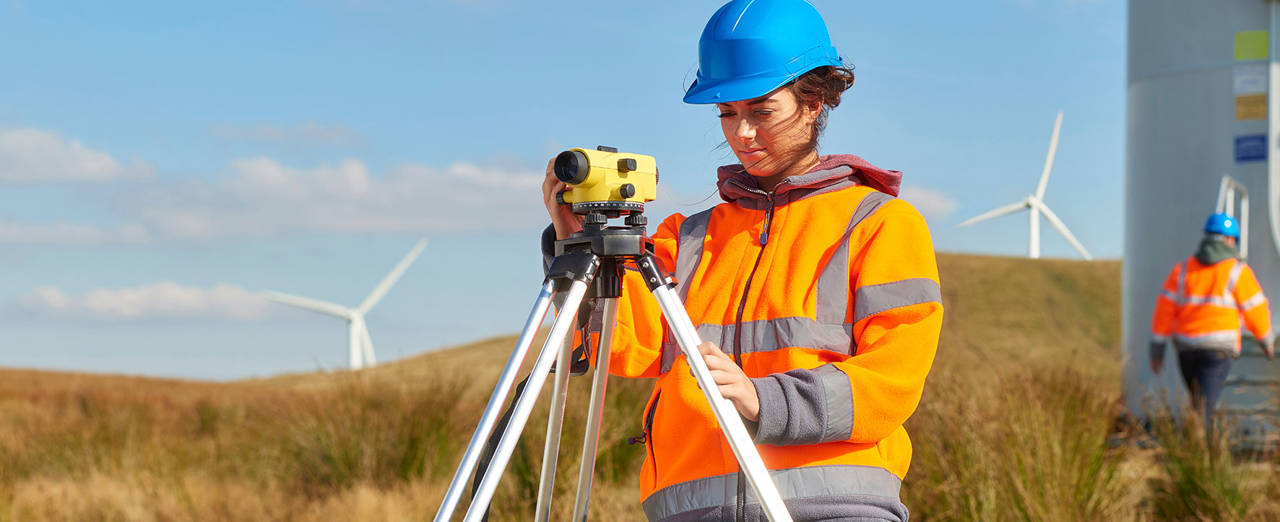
[{"x": 1013, "y": 425}]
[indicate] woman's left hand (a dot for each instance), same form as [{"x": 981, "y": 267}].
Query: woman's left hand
[{"x": 733, "y": 384}]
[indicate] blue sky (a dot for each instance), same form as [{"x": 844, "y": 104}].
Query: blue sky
[{"x": 161, "y": 162}]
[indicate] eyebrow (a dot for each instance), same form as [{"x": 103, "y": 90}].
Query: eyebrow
[{"x": 756, "y": 101}]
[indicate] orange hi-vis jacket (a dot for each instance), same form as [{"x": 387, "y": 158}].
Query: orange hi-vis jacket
[
  {"x": 826, "y": 293},
  {"x": 1202, "y": 307}
]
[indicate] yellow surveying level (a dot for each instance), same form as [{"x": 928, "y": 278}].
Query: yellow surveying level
[{"x": 605, "y": 180}]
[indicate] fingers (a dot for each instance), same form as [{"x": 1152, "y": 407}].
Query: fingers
[{"x": 722, "y": 368}]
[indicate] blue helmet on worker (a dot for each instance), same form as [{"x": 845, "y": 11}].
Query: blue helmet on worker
[
  {"x": 1223, "y": 225},
  {"x": 751, "y": 47}
]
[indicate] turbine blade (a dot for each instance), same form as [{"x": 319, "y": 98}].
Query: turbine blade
[
  {"x": 387, "y": 282},
  {"x": 1048, "y": 160},
  {"x": 314, "y": 305},
  {"x": 1062, "y": 229},
  {"x": 994, "y": 213}
]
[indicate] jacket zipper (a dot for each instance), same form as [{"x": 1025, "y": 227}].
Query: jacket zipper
[
  {"x": 646, "y": 436},
  {"x": 737, "y": 337},
  {"x": 742, "y": 305}
]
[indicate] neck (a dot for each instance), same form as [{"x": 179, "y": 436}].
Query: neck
[{"x": 801, "y": 166}]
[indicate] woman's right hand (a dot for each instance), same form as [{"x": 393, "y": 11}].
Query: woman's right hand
[{"x": 562, "y": 216}]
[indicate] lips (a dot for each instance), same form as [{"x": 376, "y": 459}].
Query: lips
[{"x": 751, "y": 153}]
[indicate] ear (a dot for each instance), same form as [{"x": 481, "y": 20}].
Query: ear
[{"x": 813, "y": 108}]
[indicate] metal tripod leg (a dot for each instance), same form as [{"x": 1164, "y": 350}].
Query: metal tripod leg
[
  {"x": 736, "y": 433},
  {"x": 493, "y": 410},
  {"x": 524, "y": 406},
  {"x": 555, "y": 419},
  {"x": 595, "y": 412}
]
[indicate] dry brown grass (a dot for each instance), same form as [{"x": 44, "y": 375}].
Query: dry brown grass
[{"x": 1013, "y": 426}]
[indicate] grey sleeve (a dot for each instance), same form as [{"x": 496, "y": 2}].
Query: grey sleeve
[
  {"x": 804, "y": 406},
  {"x": 1157, "y": 350}
]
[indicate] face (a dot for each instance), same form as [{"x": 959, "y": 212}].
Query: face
[{"x": 771, "y": 135}]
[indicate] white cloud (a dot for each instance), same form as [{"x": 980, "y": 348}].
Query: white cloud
[
  {"x": 155, "y": 300},
  {"x": 69, "y": 234},
  {"x": 263, "y": 197},
  {"x": 34, "y": 155},
  {"x": 934, "y": 205},
  {"x": 304, "y": 135}
]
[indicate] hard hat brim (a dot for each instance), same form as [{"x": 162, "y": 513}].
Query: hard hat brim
[{"x": 735, "y": 89}]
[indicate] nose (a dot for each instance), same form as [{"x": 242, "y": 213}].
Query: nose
[{"x": 746, "y": 132}]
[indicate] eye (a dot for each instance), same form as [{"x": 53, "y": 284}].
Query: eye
[
  {"x": 726, "y": 114},
  {"x": 764, "y": 112}
]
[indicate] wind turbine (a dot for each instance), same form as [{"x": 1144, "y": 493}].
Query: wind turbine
[
  {"x": 1035, "y": 203},
  {"x": 359, "y": 345}
]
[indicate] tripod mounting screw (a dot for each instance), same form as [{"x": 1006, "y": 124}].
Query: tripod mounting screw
[{"x": 595, "y": 218}]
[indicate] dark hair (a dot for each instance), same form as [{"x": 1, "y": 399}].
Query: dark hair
[{"x": 825, "y": 85}]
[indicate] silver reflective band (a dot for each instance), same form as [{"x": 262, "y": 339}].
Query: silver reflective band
[
  {"x": 1233, "y": 277},
  {"x": 1219, "y": 340},
  {"x": 693, "y": 231},
  {"x": 833, "y": 281},
  {"x": 1253, "y": 302},
  {"x": 873, "y": 299},
  {"x": 837, "y": 397},
  {"x": 772, "y": 334},
  {"x": 812, "y": 482},
  {"x": 1170, "y": 295},
  {"x": 1182, "y": 281},
  {"x": 1216, "y": 300}
]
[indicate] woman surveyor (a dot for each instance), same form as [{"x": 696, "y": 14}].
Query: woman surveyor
[{"x": 814, "y": 289}]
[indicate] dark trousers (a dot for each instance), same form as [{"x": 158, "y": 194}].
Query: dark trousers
[{"x": 1205, "y": 372}]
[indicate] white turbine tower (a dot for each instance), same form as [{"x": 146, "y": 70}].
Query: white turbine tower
[
  {"x": 359, "y": 345},
  {"x": 1035, "y": 203}
]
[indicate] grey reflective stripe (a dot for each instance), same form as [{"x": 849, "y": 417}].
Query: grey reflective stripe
[
  {"x": 693, "y": 231},
  {"x": 833, "y": 282},
  {"x": 1170, "y": 295},
  {"x": 1253, "y": 302},
  {"x": 1233, "y": 277},
  {"x": 1159, "y": 338},
  {"x": 873, "y": 299},
  {"x": 1219, "y": 340},
  {"x": 773, "y": 334},
  {"x": 815, "y": 483},
  {"x": 837, "y": 397},
  {"x": 1216, "y": 300},
  {"x": 1182, "y": 282}
]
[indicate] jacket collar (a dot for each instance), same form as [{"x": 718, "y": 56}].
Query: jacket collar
[
  {"x": 1213, "y": 250},
  {"x": 834, "y": 172}
]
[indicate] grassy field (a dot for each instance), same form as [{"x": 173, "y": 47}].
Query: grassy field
[{"x": 1013, "y": 425}]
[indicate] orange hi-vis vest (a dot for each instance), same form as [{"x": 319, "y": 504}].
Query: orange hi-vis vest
[
  {"x": 826, "y": 293},
  {"x": 1202, "y": 307}
]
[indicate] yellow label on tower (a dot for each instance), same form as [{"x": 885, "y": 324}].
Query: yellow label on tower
[
  {"x": 1251, "y": 107},
  {"x": 1251, "y": 45}
]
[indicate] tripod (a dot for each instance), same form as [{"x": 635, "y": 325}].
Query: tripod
[{"x": 592, "y": 261}]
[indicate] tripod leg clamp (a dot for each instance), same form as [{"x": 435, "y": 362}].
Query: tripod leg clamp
[
  {"x": 570, "y": 267},
  {"x": 653, "y": 276}
]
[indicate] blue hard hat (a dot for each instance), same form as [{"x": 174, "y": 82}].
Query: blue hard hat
[
  {"x": 751, "y": 47},
  {"x": 1222, "y": 224}
]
